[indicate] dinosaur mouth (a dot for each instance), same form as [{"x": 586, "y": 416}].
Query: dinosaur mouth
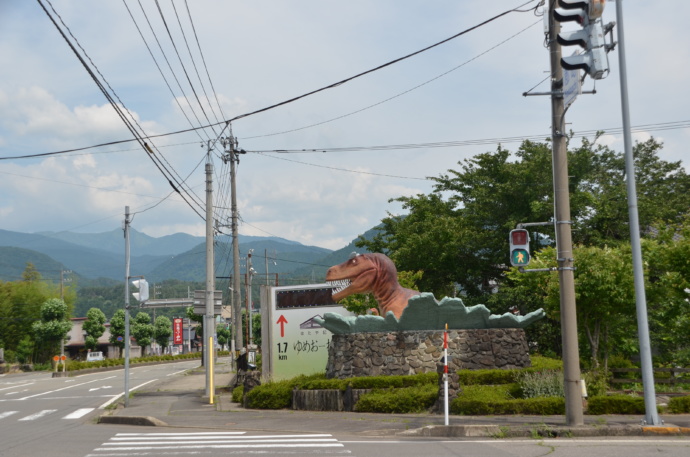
[{"x": 339, "y": 286}]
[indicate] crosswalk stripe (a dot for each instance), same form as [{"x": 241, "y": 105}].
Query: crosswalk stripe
[
  {"x": 38, "y": 415},
  {"x": 78, "y": 413},
  {"x": 131, "y": 444},
  {"x": 5, "y": 414}
]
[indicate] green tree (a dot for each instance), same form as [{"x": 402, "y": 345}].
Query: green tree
[
  {"x": 94, "y": 326},
  {"x": 142, "y": 330},
  {"x": 52, "y": 329},
  {"x": 162, "y": 331},
  {"x": 117, "y": 329},
  {"x": 224, "y": 335}
]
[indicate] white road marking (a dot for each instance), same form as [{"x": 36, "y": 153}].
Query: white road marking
[
  {"x": 5, "y": 414},
  {"x": 38, "y": 415},
  {"x": 15, "y": 387},
  {"x": 98, "y": 388},
  {"x": 78, "y": 413},
  {"x": 63, "y": 388},
  {"x": 128, "y": 444},
  {"x": 114, "y": 399},
  {"x": 177, "y": 372}
]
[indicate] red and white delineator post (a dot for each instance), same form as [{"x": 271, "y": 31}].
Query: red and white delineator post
[{"x": 445, "y": 375}]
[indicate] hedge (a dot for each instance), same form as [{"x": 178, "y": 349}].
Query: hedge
[
  {"x": 415, "y": 399},
  {"x": 679, "y": 405},
  {"x": 615, "y": 404},
  {"x": 547, "y": 406}
]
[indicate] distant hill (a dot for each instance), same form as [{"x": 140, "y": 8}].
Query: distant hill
[
  {"x": 13, "y": 263},
  {"x": 173, "y": 257},
  {"x": 317, "y": 272}
]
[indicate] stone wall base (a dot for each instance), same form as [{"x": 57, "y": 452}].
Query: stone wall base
[{"x": 412, "y": 352}]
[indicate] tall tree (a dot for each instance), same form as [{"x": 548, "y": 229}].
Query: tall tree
[
  {"x": 162, "y": 331},
  {"x": 52, "y": 329},
  {"x": 142, "y": 330},
  {"x": 94, "y": 326},
  {"x": 117, "y": 329}
]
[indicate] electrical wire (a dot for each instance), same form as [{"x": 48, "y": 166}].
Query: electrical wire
[{"x": 330, "y": 86}]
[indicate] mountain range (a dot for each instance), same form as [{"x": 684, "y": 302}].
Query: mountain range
[{"x": 180, "y": 256}]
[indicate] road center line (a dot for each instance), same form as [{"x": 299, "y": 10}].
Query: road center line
[{"x": 63, "y": 388}]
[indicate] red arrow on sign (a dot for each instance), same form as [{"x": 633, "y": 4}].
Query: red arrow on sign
[{"x": 282, "y": 321}]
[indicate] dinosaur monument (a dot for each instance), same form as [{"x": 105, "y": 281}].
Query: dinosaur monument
[
  {"x": 370, "y": 273},
  {"x": 401, "y": 308}
]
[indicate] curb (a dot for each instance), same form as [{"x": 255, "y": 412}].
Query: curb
[
  {"x": 542, "y": 431},
  {"x": 132, "y": 420}
]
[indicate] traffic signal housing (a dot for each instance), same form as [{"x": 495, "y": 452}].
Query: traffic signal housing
[
  {"x": 519, "y": 248},
  {"x": 587, "y": 13},
  {"x": 143, "y": 287}
]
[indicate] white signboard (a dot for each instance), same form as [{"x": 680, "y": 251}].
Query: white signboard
[
  {"x": 292, "y": 343},
  {"x": 572, "y": 86}
]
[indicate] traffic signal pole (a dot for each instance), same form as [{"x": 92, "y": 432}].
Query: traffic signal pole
[{"x": 564, "y": 245}]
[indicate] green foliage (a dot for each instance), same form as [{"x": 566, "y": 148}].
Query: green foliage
[
  {"x": 398, "y": 401},
  {"x": 142, "y": 330},
  {"x": 502, "y": 399},
  {"x": 547, "y": 383},
  {"x": 74, "y": 365},
  {"x": 534, "y": 406},
  {"x": 615, "y": 404},
  {"x": 24, "y": 350},
  {"x": 546, "y": 363},
  {"x": 679, "y": 405},
  {"x": 117, "y": 328},
  {"x": 238, "y": 394},
  {"x": 487, "y": 377},
  {"x": 162, "y": 330},
  {"x": 51, "y": 329},
  {"x": 94, "y": 326},
  {"x": 272, "y": 395},
  {"x": 596, "y": 383},
  {"x": 224, "y": 335}
]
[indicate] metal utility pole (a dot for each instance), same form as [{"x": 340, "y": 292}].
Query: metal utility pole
[
  {"x": 564, "y": 244},
  {"x": 127, "y": 221},
  {"x": 209, "y": 321},
  {"x": 651, "y": 414},
  {"x": 231, "y": 144}
]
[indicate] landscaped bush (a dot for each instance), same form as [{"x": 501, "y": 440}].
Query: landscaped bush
[
  {"x": 679, "y": 405},
  {"x": 487, "y": 377},
  {"x": 415, "y": 399},
  {"x": 547, "y": 383},
  {"x": 615, "y": 404},
  {"x": 237, "y": 394},
  {"x": 533, "y": 406},
  {"x": 386, "y": 382},
  {"x": 272, "y": 395},
  {"x": 545, "y": 363}
]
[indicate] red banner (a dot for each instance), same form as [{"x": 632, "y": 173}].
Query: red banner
[{"x": 177, "y": 331}]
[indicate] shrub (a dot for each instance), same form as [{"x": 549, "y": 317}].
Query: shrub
[
  {"x": 487, "y": 377},
  {"x": 679, "y": 405},
  {"x": 272, "y": 395},
  {"x": 489, "y": 393},
  {"x": 548, "y": 383},
  {"x": 615, "y": 404},
  {"x": 238, "y": 394},
  {"x": 533, "y": 406},
  {"x": 596, "y": 383},
  {"x": 398, "y": 401},
  {"x": 546, "y": 363}
]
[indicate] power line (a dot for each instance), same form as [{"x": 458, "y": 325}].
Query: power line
[{"x": 330, "y": 86}]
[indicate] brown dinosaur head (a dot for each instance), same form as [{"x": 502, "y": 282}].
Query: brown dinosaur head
[{"x": 361, "y": 273}]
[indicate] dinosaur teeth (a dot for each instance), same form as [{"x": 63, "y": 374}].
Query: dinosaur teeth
[{"x": 339, "y": 286}]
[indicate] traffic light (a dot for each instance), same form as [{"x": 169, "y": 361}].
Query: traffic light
[
  {"x": 143, "y": 287},
  {"x": 519, "y": 247},
  {"x": 587, "y": 13}
]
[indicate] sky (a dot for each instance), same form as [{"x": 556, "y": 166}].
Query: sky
[{"x": 244, "y": 56}]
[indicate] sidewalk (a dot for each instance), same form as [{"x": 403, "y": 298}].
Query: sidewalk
[{"x": 179, "y": 402}]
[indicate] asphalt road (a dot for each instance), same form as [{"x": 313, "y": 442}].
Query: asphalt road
[{"x": 41, "y": 414}]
